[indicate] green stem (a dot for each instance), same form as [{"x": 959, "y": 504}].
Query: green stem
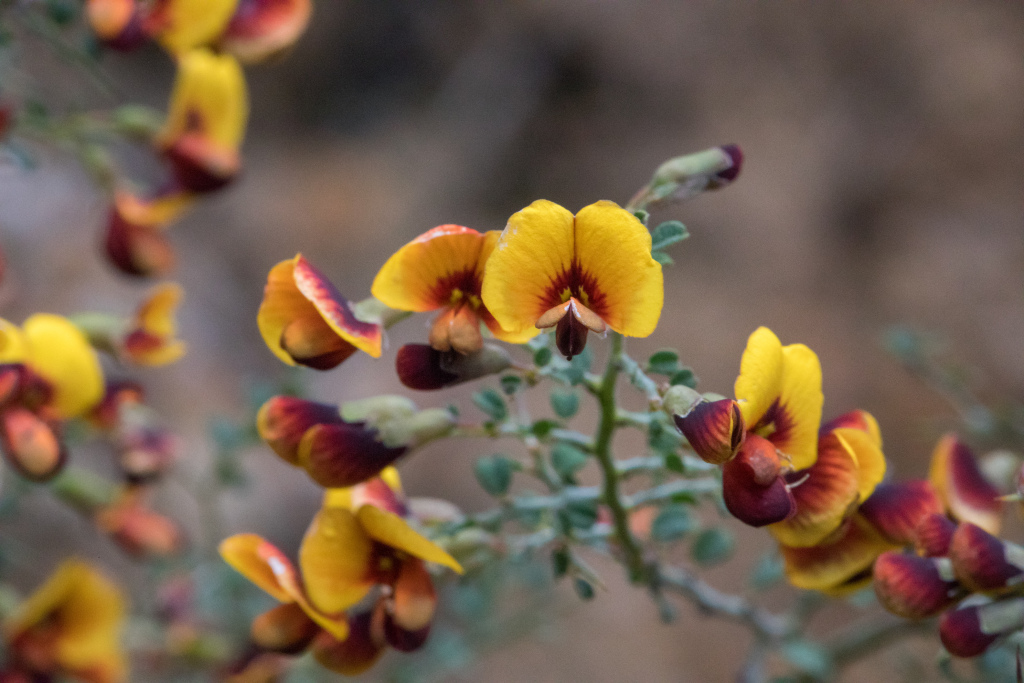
[{"x": 638, "y": 570}]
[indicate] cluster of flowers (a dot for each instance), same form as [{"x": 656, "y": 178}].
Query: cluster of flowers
[{"x": 209, "y": 107}]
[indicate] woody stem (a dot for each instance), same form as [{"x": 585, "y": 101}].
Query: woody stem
[{"x": 638, "y": 571}]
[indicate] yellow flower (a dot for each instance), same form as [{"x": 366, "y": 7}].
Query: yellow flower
[
  {"x": 580, "y": 273},
  {"x": 182, "y": 25},
  {"x": 71, "y": 626},
  {"x": 206, "y": 122},
  {"x": 443, "y": 269}
]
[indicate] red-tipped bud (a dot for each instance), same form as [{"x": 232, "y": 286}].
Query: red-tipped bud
[
  {"x": 970, "y": 631},
  {"x": 933, "y": 535},
  {"x": 117, "y": 23},
  {"x": 260, "y": 29},
  {"x": 715, "y": 430},
  {"x": 422, "y": 367},
  {"x": 284, "y": 420},
  {"x": 752, "y": 487},
  {"x": 341, "y": 455},
  {"x": 285, "y": 629},
  {"x": 30, "y": 444},
  {"x": 354, "y": 655},
  {"x": 958, "y": 480},
  {"x": 897, "y": 510},
  {"x": 138, "y": 250},
  {"x": 915, "y": 587},
  {"x": 983, "y": 562}
]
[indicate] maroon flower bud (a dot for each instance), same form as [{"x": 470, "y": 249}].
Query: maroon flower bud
[
  {"x": 139, "y": 250},
  {"x": 983, "y": 562},
  {"x": 970, "y": 631},
  {"x": 424, "y": 368},
  {"x": 933, "y": 535},
  {"x": 284, "y": 420},
  {"x": 752, "y": 486},
  {"x": 897, "y": 510},
  {"x": 715, "y": 430},
  {"x": 341, "y": 455},
  {"x": 354, "y": 655},
  {"x": 915, "y": 587}
]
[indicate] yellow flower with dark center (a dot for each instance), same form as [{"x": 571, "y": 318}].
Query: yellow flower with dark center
[
  {"x": 206, "y": 123},
  {"x": 582, "y": 273},
  {"x": 443, "y": 269},
  {"x": 70, "y": 626}
]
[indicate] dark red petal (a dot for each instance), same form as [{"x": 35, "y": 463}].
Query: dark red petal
[
  {"x": 284, "y": 420},
  {"x": 749, "y": 494},
  {"x": 983, "y": 562},
  {"x": 933, "y": 535},
  {"x": 915, "y": 587},
  {"x": 285, "y": 629},
  {"x": 897, "y": 510},
  {"x": 341, "y": 455},
  {"x": 714, "y": 430}
]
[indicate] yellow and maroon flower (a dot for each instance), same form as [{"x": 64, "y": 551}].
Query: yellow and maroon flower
[
  {"x": 848, "y": 467},
  {"x": 305, "y": 320},
  {"x": 582, "y": 273},
  {"x": 70, "y": 626},
  {"x": 117, "y": 23},
  {"x": 151, "y": 335},
  {"x": 182, "y": 25},
  {"x": 915, "y": 587},
  {"x": 969, "y": 631},
  {"x": 753, "y": 487},
  {"x": 984, "y": 563},
  {"x": 422, "y": 367},
  {"x": 841, "y": 563},
  {"x": 898, "y": 510},
  {"x": 134, "y": 242},
  {"x": 968, "y": 496},
  {"x": 206, "y": 122},
  {"x": 313, "y": 436},
  {"x": 443, "y": 269},
  {"x": 261, "y": 29}
]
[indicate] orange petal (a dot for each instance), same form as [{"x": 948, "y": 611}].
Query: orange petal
[
  {"x": 117, "y": 23},
  {"x": 261, "y": 29},
  {"x": 298, "y": 296},
  {"x": 384, "y": 492},
  {"x": 825, "y": 494},
  {"x": 284, "y": 420},
  {"x": 840, "y": 564},
  {"x": 714, "y": 430},
  {"x": 414, "y": 599},
  {"x": 260, "y": 562},
  {"x": 30, "y": 444},
  {"x": 353, "y": 655},
  {"x": 897, "y": 510},
  {"x": 394, "y": 532},
  {"x": 151, "y": 340},
  {"x": 915, "y": 587},
  {"x": 137, "y": 250},
  {"x": 335, "y": 559},
  {"x": 285, "y": 629},
  {"x": 457, "y": 329},
  {"x": 967, "y": 494}
]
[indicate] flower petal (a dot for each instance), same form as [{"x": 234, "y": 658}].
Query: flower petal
[
  {"x": 339, "y": 455},
  {"x": 391, "y": 530},
  {"x": 260, "y": 562},
  {"x": 261, "y": 29},
  {"x": 117, "y": 23},
  {"x": 760, "y": 380},
  {"x": 752, "y": 488},
  {"x": 856, "y": 419},
  {"x": 137, "y": 249},
  {"x": 959, "y": 482},
  {"x": 414, "y": 599},
  {"x": 284, "y": 420},
  {"x": 533, "y": 251},
  {"x": 181, "y": 25},
  {"x": 983, "y": 562},
  {"x": 335, "y": 309},
  {"x": 841, "y": 563},
  {"x": 286, "y": 629},
  {"x": 60, "y": 353},
  {"x": 714, "y": 430},
  {"x": 353, "y": 655},
  {"x": 621, "y": 281},
  {"x": 897, "y": 510},
  {"x": 151, "y": 340},
  {"x": 969, "y": 631},
  {"x": 915, "y": 587},
  {"x": 933, "y": 535},
  {"x": 335, "y": 558},
  {"x": 31, "y": 445}
]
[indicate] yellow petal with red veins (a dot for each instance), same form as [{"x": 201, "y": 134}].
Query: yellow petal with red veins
[
  {"x": 824, "y": 497},
  {"x": 181, "y": 25},
  {"x": 88, "y": 611},
  {"x": 335, "y": 560},
  {"x": 839, "y": 564},
  {"x": 261, "y": 29},
  {"x": 864, "y": 450},
  {"x": 613, "y": 250},
  {"x": 60, "y": 353},
  {"x": 533, "y": 252},
  {"x": 760, "y": 380},
  {"x": 426, "y": 273},
  {"x": 251, "y": 556},
  {"x": 391, "y": 530}
]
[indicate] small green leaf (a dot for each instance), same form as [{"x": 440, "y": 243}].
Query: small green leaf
[
  {"x": 685, "y": 377},
  {"x": 581, "y": 515},
  {"x": 672, "y": 523},
  {"x": 491, "y": 402},
  {"x": 663, "y": 439},
  {"x": 583, "y": 589},
  {"x": 560, "y": 561},
  {"x": 809, "y": 657},
  {"x": 565, "y": 403},
  {"x": 542, "y": 428},
  {"x": 567, "y": 460},
  {"x": 642, "y": 216},
  {"x": 542, "y": 357},
  {"x": 662, "y": 258},
  {"x": 667, "y": 234},
  {"x": 664, "y": 362},
  {"x": 494, "y": 472},
  {"x": 510, "y": 384},
  {"x": 712, "y": 546},
  {"x": 673, "y": 463}
]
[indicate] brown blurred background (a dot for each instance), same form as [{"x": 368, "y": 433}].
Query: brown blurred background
[{"x": 884, "y": 148}]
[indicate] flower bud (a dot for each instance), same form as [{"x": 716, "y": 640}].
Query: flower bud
[
  {"x": 421, "y": 367},
  {"x": 983, "y": 562},
  {"x": 915, "y": 587},
  {"x": 354, "y": 655},
  {"x": 959, "y": 482},
  {"x": 897, "y": 510},
  {"x": 715, "y": 430},
  {"x": 970, "y": 631},
  {"x": 285, "y": 629},
  {"x": 933, "y": 535},
  {"x": 117, "y": 23},
  {"x": 284, "y": 420},
  {"x": 341, "y": 455},
  {"x": 752, "y": 486},
  {"x": 424, "y": 426},
  {"x": 30, "y": 444},
  {"x": 261, "y": 29}
]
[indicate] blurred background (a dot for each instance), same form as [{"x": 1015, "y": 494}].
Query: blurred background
[{"x": 884, "y": 149}]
